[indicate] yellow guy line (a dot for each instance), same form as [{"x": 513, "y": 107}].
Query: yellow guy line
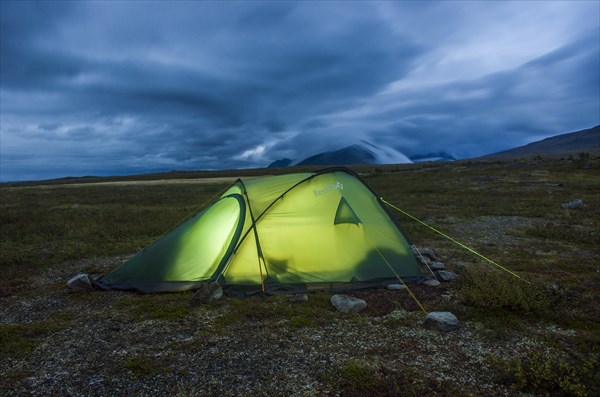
[
  {"x": 454, "y": 241},
  {"x": 400, "y": 278}
]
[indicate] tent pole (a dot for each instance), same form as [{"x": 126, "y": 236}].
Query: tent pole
[{"x": 258, "y": 249}]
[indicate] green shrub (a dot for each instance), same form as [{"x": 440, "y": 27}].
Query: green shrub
[
  {"x": 553, "y": 374},
  {"x": 17, "y": 340},
  {"x": 488, "y": 288},
  {"x": 141, "y": 366},
  {"x": 354, "y": 379}
]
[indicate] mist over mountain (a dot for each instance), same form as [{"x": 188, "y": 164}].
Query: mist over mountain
[
  {"x": 432, "y": 156},
  {"x": 360, "y": 153}
]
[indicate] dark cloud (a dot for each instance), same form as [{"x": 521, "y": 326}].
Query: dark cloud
[{"x": 119, "y": 87}]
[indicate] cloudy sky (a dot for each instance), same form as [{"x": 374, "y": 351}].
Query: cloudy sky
[{"x": 115, "y": 87}]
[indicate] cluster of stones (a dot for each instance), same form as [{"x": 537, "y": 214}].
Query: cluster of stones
[{"x": 431, "y": 260}]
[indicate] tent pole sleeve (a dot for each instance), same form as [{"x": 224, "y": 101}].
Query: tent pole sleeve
[
  {"x": 258, "y": 249},
  {"x": 455, "y": 241}
]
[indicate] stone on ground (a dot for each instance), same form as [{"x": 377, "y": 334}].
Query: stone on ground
[
  {"x": 347, "y": 304},
  {"x": 441, "y": 321},
  {"x": 207, "y": 293},
  {"x": 446, "y": 276},
  {"x": 395, "y": 287},
  {"x": 298, "y": 298},
  {"x": 81, "y": 282},
  {"x": 577, "y": 203},
  {"x": 432, "y": 282},
  {"x": 460, "y": 265},
  {"x": 437, "y": 265},
  {"x": 429, "y": 252}
]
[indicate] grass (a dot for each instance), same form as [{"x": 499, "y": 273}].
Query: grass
[
  {"x": 509, "y": 211},
  {"x": 17, "y": 340}
]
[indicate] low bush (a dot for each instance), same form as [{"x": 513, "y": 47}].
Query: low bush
[
  {"x": 553, "y": 374},
  {"x": 354, "y": 379},
  {"x": 488, "y": 288}
]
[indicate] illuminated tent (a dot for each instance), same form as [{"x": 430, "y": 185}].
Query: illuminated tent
[{"x": 286, "y": 233}]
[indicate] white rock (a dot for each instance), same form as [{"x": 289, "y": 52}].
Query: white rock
[
  {"x": 346, "y": 304},
  {"x": 441, "y": 321},
  {"x": 428, "y": 252},
  {"x": 437, "y": 265},
  {"x": 394, "y": 287},
  {"x": 460, "y": 265},
  {"x": 81, "y": 282},
  {"x": 298, "y": 298},
  {"x": 577, "y": 203},
  {"x": 431, "y": 282},
  {"x": 446, "y": 276}
]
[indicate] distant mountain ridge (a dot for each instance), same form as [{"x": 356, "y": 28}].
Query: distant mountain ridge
[
  {"x": 570, "y": 143},
  {"x": 354, "y": 154},
  {"x": 362, "y": 153}
]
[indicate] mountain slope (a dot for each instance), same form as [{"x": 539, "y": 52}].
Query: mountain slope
[
  {"x": 354, "y": 154},
  {"x": 574, "y": 142},
  {"x": 362, "y": 153}
]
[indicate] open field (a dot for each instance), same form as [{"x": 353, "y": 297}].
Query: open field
[{"x": 515, "y": 338}]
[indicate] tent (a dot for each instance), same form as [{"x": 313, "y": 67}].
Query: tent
[{"x": 285, "y": 233}]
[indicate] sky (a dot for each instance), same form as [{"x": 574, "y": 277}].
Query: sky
[{"x": 117, "y": 87}]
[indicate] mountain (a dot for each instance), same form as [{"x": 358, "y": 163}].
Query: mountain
[
  {"x": 362, "y": 153},
  {"x": 436, "y": 156},
  {"x": 354, "y": 154},
  {"x": 571, "y": 143},
  {"x": 280, "y": 163}
]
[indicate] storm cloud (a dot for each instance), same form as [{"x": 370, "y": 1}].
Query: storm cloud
[{"x": 102, "y": 88}]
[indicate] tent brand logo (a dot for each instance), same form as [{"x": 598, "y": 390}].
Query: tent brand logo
[{"x": 329, "y": 188}]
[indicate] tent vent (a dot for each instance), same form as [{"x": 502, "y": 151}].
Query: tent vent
[{"x": 345, "y": 214}]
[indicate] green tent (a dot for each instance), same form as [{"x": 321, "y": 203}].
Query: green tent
[{"x": 323, "y": 230}]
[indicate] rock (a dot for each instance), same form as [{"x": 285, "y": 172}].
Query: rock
[
  {"x": 429, "y": 252},
  {"x": 577, "y": 203},
  {"x": 460, "y": 265},
  {"x": 432, "y": 282},
  {"x": 395, "y": 287},
  {"x": 424, "y": 259},
  {"x": 81, "y": 282},
  {"x": 346, "y": 304},
  {"x": 75, "y": 206},
  {"x": 207, "y": 293},
  {"x": 298, "y": 298},
  {"x": 446, "y": 276},
  {"x": 441, "y": 321},
  {"x": 437, "y": 265}
]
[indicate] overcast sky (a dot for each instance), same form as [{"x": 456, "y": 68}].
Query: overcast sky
[{"x": 109, "y": 87}]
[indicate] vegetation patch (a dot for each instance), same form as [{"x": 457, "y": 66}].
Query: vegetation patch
[
  {"x": 17, "y": 340},
  {"x": 488, "y": 288},
  {"x": 166, "y": 307},
  {"x": 356, "y": 380},
  {"x": 142, "y": 366},
  {"x": 554, "y": 374}
]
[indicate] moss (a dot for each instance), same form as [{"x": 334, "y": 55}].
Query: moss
[
  {"x": 355, "y": 379},
  {"x": 17, "y": 340},
  {"x": 165, "y": 307},
  {"x": 142, "y": 366}
]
